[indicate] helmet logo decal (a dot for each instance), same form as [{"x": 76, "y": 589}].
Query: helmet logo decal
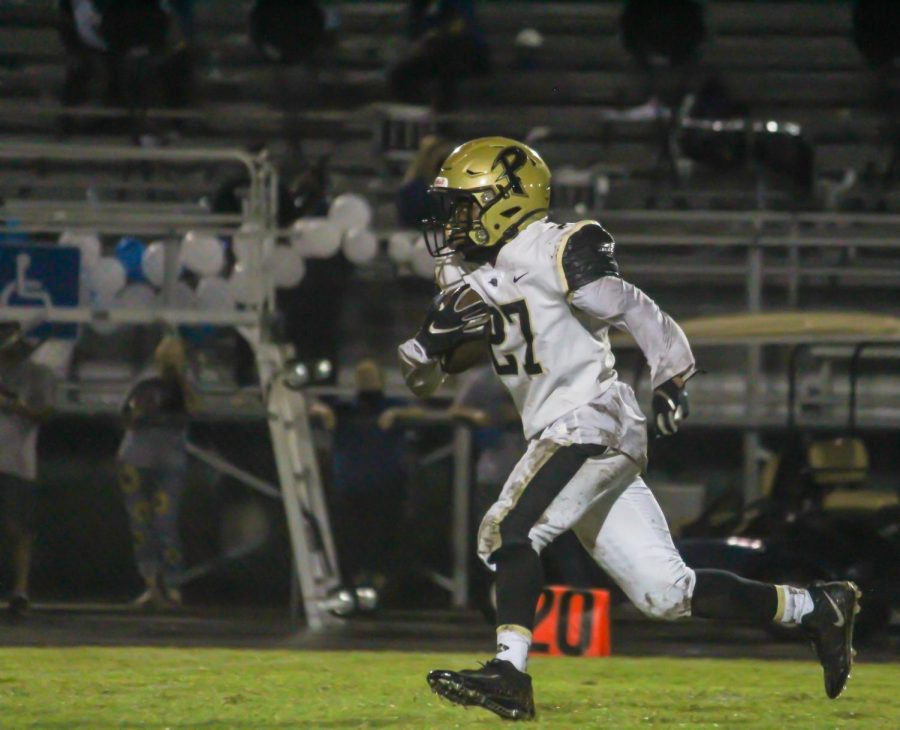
[{"x": 513, "y": 159}]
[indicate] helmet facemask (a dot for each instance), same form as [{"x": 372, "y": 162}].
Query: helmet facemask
[
  {"x": 486, "y": 192},
  {"x": 454, "y": 222}
]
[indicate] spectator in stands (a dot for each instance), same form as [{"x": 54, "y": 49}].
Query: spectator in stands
[
  {"x": 26, "y": 401},
  {"x": 412, "y": 196},
  {"x": 664, "y": 35},
  {"x": 136, "y": 41},
  {"x": 448, "y": 45},
  {"x": 876, "y": 32},
  {"x": 287, "y": 31},
  {"x": 152, "y": 463},
  {"x": 369, "y": 478}
]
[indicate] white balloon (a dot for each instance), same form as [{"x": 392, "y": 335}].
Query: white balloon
[
  {"x": 359, "y": 246},
  {"x": 214, "y": 292},
  {"x": 422, "y": 261},
  {"x": 87, "y": 243},
  {"x": 202, "y": 253},
  {"x": 400, "y": 247},
  {"x": 184, "y": 297},
  {"x": 106, "y": 278},
  {"x": 136, "y": 296},
  {"x": 349, "y": 211},
  {"x": 102, "y": 300},
  {"x": 153, "y": 263},
  {"x": 286, "y": 267},
  {"x": 248, "y": 237},
  {"x": 316, "y": 238},
  {"x": 241, "y": 285}
]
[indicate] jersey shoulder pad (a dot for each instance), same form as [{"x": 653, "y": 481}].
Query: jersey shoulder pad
[{"x": 586, "y": 254}]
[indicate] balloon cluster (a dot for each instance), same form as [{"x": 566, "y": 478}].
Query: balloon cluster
[
  {"x": 345, "y": 229},
  {"x": 133, "y": 277},
  {"x": 408, "y": 251}
]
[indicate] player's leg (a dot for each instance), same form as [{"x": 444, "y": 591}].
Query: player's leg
[
  {"x": 630, "y": 540},
  {"x": 542, "y": 498}
]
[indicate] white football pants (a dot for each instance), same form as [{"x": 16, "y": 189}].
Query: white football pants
[{"x": 616, "y": 518}]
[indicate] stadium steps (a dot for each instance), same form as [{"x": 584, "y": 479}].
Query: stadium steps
[
  {"x": 823, "y": 93},
  {"x": 588, "y": 123},
  {"x": 573, "y": 51}
]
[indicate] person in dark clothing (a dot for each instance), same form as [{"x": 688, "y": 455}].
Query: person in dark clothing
[
  {"x": 664, "y": 37},
  {"x": 876, "y": 33},
  {"x": 136, "y": 41},
  {"x": 287, "y": 31},
  {"x": 448, "y": 46},
  {"x": 412, "y": 196},
  {"x": 369, "y": 477}
]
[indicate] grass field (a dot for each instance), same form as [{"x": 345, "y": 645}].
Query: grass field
[{"x": 218, "y": 688}]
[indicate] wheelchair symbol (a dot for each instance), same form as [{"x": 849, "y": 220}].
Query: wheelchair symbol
[{"x": 24, "y": 290}]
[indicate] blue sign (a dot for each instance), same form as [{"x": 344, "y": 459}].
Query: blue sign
[{"x": 40, "y": 276}]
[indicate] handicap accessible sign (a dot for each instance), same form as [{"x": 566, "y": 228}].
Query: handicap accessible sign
[{"x": 40, "y": 276}]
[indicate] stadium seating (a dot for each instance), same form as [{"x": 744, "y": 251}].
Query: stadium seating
[
  {"x": 804, "y": 69},
  {"x": 790, "y": 61}
]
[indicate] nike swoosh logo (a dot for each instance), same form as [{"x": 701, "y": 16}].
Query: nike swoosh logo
[
  {"x": 440, "y": 330},
  {"x": 840, "y": 614},
  {"x": 516, "y": 278}
]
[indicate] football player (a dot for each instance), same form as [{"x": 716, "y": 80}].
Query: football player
[{"x": 544, "y": 295}]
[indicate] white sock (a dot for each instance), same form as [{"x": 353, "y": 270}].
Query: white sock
[
  {"x": 793, "y": 604},
  {"x": 512, "y": 645}
]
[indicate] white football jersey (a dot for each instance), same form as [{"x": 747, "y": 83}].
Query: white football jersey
[
  {"x": 551, "y": 310},
  {"x": 551, "y": 358}
]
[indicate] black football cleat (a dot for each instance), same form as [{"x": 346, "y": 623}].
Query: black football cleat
[
  {"x": 497, "y": 686},
  {"x": 829, "y": 626}
]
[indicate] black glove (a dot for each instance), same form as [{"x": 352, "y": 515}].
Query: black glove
[
  {"x": 670, "y": 407},
  {"x": 455, "y": 316}
]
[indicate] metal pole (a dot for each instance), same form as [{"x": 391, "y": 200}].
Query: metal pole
[
  {"x": 751, "y": 439},
  {"x": 462, "y": 469}
]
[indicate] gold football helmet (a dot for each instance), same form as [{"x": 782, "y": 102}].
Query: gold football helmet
[{"x": 486, "y": 192}]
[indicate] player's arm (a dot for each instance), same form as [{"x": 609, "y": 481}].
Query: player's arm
[
  {"x": 595, "y": 285},
  {"x": 456, "y": 316}
]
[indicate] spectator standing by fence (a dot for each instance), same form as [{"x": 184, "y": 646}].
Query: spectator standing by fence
[
  {"x": 26, "y": 401},
  {"x": 152, "y": 463}
]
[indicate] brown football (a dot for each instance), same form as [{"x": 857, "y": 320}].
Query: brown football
[
  {"x": 466, "y": 356},
  {"x": 471, "y": 353}
]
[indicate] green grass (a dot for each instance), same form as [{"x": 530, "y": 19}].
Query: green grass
[{"x": 216, "y": 688}]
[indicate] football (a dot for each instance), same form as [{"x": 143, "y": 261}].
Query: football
[{"x": 467, "y": 355}]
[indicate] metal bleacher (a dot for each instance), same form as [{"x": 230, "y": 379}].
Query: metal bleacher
[
  {"x": 710, "y": 245},
  {"x": 794, "y": 61}
]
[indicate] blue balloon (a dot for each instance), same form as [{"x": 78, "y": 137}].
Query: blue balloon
[{"x": 130, "y": 252}]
